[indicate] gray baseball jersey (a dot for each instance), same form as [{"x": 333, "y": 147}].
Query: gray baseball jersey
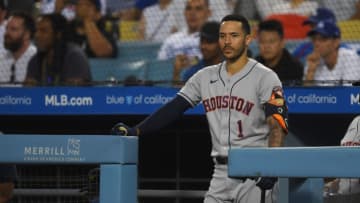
[
  {"x": 233, "y": 104},
  {"x": 351, "y": 138}
]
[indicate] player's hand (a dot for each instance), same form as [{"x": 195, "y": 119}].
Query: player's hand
[
  {"x": 122, "y": 129},
  {"x": 266, "y": 183}
]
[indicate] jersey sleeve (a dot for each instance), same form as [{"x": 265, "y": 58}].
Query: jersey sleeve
[
  {"x": 268, "y": 83},
  {"x": 192, "y": 88},
  {"x": 352, "y": 135}
]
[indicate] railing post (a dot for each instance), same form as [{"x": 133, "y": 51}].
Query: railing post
[{"x": 118, "y": 183}]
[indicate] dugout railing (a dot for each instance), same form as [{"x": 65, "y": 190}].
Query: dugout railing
[
  {"x": 116, "y": 156},
  {"x": 301, "y": 169}
]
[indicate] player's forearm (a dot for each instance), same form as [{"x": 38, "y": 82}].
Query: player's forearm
[
  {"x": 163, "y": 116},
  {"x": 277, "y": 134}
]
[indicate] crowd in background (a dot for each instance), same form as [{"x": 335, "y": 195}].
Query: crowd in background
[
  {"x": 54, "y": 47},
  {"x": 50, "y": 42}
]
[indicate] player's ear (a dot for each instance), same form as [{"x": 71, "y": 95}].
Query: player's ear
[{"x": 248, "y": 39}]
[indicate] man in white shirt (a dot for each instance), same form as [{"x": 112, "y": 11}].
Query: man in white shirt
[
  {"x": 184, "y": 44},
  {"x": 329, "y": 64},
  {"x": 157, "y": 22},
  {"x": 18, "y": 49}
]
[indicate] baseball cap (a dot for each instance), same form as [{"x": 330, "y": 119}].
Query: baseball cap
[
  {"x": 326, "y": 29},
  {"x": 210, "y": 31},
  {"x": 321, "y": 14}
]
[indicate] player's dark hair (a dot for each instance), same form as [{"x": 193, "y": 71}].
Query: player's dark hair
[
  {"x": 29, "y": 23},
  {"x": 235, "y": 17},
  {"x": 271, "y": 25}
]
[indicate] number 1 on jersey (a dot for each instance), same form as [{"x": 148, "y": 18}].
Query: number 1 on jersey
[{"x": 240, "y": 129}]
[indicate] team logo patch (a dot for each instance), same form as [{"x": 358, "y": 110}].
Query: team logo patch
[{"x": 278, "y": 91}]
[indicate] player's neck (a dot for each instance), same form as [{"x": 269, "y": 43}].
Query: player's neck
[{"x": 235, "y": 66}]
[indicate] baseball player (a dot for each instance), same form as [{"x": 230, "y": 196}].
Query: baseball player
[
  {"x": 346, "y": 185},
  {"x": 244, "y": 106}
]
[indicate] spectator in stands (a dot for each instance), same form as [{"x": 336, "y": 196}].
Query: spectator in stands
[
  {"x": 3, "y": 21},
  {"x": 210, "y": 50},
  {"x": 57, "y": 62},
  {"x": 344, "y": 185},
  {"x": 274, "y": 55},
  {"x": 304, "y": 49},
  {"x": 184, "y": 44},
  {"x": 330, "y": 64},
  {"x": 219, "y": 8},
  {"x": 157, "y": 22},
  {"x": 19, "y": 48},
  {"x": 88, "y": 30},
  {"x": 8, "y": 178},
  {"x": 344, "y": 10}
]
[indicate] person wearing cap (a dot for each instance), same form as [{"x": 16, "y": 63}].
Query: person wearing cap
[
  {"x": 210, "y": 50},
  {"x": 305, "y": 48},
  {"x": 274, "y": 55},
  {"x": 330, "y": 64},
  {"x": 88, "y": 30}
]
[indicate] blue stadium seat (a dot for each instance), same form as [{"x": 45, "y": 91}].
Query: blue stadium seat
[
  {"x": 138, "y": 50},
  {"x": 159, "y": 72},
  {"x": 103, "y": 70},
  {"x": 254, "y": 48}
]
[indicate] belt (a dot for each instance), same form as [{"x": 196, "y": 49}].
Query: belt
[{"x": 223, "y": 160}]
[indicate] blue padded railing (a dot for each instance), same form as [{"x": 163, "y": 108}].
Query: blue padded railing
[
  {"x": 117, "y": 156},
  {"x": 302, "y": 169}
]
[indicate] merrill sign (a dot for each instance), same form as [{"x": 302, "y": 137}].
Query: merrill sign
[{"x": 54, "y": 153}]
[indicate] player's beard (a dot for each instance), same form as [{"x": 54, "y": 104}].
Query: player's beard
[{"x": 239, "y": 53}]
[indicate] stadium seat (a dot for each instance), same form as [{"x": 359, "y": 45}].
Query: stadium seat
[
  {"x": 138, "y": 50},
  {"x": 129, "y": 30},
  {"x": 293, "y": 25},
  {"x": 106, "y": 70},
  {"x": 350, "y": 29},
  {"x": 159, "y": 72},
  {"x": 254, "y": 48}
]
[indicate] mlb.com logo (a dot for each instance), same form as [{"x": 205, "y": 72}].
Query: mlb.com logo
[{"x": 355, "y": 99}]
